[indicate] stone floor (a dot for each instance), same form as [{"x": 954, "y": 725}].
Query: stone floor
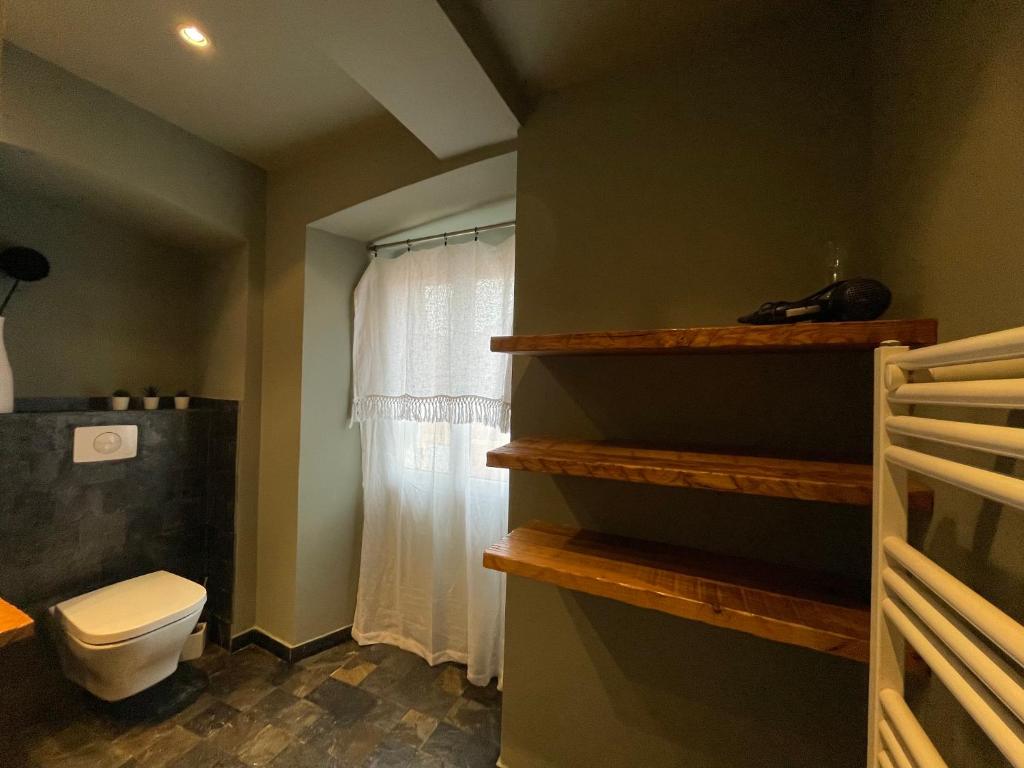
[{"x": 373, "y": 707}]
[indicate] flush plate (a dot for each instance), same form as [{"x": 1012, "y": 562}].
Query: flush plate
[{"x": 120, "y": 441}]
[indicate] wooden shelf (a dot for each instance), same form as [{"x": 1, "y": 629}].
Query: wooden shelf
[
  {"x": 799, "y": 337},
  {"x": 813, "y": 610},
  {"x": 14, "y": 625},
  {"x": 759, "y": 476}
]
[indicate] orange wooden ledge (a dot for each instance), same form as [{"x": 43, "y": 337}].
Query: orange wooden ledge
[{"x": 14, "y": 625}]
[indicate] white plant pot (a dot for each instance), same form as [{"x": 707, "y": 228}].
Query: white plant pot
[
  {"x": 151, "y": 403},
  {"x": 181, "y": 403},
  {"x": 195, "y": 644},
  {"x": 120, "y": 403},
  {"x": 6, "y": 376}
]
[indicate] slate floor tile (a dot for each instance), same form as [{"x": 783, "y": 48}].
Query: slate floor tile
[
  {"x": 353, "y": 744},
  {"x": 349, "y": 745},
  {"x": 206, "y": 755},
  {"x": 390, "y": 754},
  {"x": 330, "y": 659},
  {"x": 413, "y": 729},
  {"x": 353, "y": 671},
  {"x": 483, "y": 722},
  {"x": 286, "y": 711},
  {"x": 375, "y": 653},
  {"x": 211, "y": 719},
  {"x": 247, "y": 693},
  {"x": 215, "y": 659},
  {"x": 485, "y": 694},
  {"x": 459, "y": 749},
  {"x": 204, "y": 701},
  {"x": 141, "y": 737},
  {"x": 393, "y": 670},
  {"x": 267, "y": 744},
  {"x": 299, "y": 755},
  {"x": 346, "y": 704},
  {"x": 256, "y": 661},
  {"x": 452, "y": 679},
  {"x": 94, "y": 755},
  {"x": 385, "y": 715},
  {"x": 270, "y": 705},
  {"x": 237, "y": 731},
  {"x": 386, "y": 707},
  {"x": 302, "y": 681},
  {"x": 64, "y": 741},
  {"x": 168, "y": 747}
]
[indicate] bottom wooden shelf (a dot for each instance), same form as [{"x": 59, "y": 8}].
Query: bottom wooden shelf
[{"x": 798, "y": 607}]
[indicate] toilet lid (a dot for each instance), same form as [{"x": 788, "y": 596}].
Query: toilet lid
[{"x": 130, "y": 608}]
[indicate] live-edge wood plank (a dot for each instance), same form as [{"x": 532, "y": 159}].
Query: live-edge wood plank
[
  {"x": 760, "y": 476},
  {"x": 796, "y": 337},
  {"x": 809, "y": 609},
  {"x": 14, "y": 625}
]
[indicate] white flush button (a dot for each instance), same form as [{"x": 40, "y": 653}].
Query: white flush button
[{"x": 109, "y": 443}]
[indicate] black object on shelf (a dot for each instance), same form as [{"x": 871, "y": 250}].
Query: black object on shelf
[{"x": 860, "y": 298}]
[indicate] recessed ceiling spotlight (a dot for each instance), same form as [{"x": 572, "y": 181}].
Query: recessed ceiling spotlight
[{"x": 193, "y": 35}]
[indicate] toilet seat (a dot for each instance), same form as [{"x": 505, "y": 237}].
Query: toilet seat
[{"x": 129, "y": 609}]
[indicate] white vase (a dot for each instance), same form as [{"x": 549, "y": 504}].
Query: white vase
[
  {"x": 150, "y": 403},
  {"x": 120, "y": 403},
  {"x": 181, "y": 403},
  {"x": 6, "y": 376}
]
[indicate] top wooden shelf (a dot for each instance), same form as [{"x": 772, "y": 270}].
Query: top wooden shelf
[
  {"x": 798, "y": 337},
  {"x": 14, "y": 625}
]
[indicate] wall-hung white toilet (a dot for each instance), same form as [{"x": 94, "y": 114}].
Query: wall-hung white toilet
[{"x": 121, "y": 639}]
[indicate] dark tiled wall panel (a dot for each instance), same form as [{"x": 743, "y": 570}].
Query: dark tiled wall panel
[{"x": 67, "y": 528}]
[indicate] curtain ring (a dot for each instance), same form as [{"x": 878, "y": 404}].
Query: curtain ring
[
  {"x": 476, "y": 234},
  {"x": 408, "y": 246},
  {"x": 446, "y": 238},
  {"x": 375, "y": 251}
]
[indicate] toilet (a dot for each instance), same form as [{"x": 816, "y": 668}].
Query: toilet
[{"x": 121, "y": 639}]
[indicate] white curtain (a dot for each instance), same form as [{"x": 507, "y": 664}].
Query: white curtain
[{"x": 431, "y": 400}]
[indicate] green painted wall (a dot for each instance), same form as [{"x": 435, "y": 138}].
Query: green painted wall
[
  {"x": 680, "y": 195},
  {"x": 96, "y": 323},
  {"x": 98, "y": 158},
  {"x": 946, "y": 230},
  {"x": 330, "y": 510}
]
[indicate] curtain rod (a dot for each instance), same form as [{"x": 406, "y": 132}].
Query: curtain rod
[{"x": 443, "y": 236}]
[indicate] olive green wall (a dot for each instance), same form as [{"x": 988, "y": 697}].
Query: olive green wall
[
  {"x": 330, "y": 469},
  {"x": 671, "y": 196},
  {"x": 118, "y": 309},
  {"x": 366, "y": 161},
  {"x": 946, "y": 231},
  {"x": 99, "y": 158}
]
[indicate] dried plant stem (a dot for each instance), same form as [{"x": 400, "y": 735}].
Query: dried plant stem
[{"x": 8, "y": 297}]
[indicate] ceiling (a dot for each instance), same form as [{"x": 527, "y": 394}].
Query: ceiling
[
  {"x": 261, "y": 89},
  {"x": 271, "y": 81},
  {"x": 555, "y": 43},
  {"x": 435, "y": 198}
]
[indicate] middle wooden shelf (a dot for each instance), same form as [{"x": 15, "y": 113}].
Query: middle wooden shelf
[{"x": 828, "y": 481}]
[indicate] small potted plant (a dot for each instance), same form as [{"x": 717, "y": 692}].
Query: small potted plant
[
  {"x": 181, "y": 400},
  {"x": 120, "y": 400},
  {"x": 151, "y": 398}
]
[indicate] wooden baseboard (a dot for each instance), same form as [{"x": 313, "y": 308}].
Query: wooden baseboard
[{"x": 290, "y": 653}]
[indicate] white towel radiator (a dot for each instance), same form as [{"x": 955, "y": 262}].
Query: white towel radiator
[{"x": 972, "y": 647}]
